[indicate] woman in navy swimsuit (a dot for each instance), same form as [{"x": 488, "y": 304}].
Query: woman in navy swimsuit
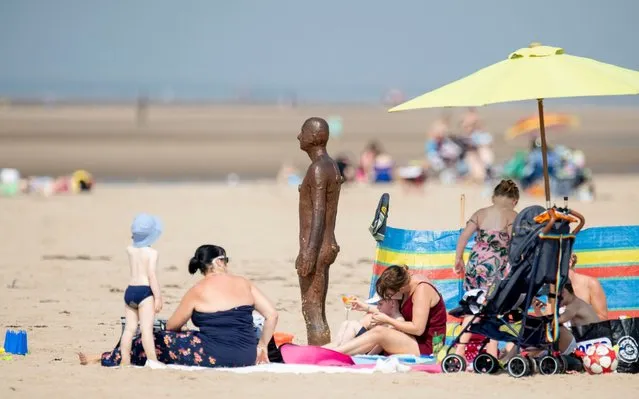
[{"x": 221, "y": 305}]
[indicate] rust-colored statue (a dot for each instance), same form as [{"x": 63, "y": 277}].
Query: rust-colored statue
[{"x": 319, "y": 195}]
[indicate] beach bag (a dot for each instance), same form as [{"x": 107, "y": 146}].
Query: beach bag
[
  {"x": 274, "y": 353},
  {"x": 621, "y": 333}
]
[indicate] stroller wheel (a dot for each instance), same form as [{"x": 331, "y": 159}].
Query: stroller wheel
[
  {"x": 549, "y": 365},
  {"x": 518, "y": 367},
  {"x": 533, "y": 365},
  {"x": 485, "y": 363},
  {"x": 453, "y": 364},
  {"x": 563, "y": 364}
]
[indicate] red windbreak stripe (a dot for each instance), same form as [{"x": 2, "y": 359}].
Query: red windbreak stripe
[
  {"x": 614, "y": 314},
  {"x": 601, "y": 272},
  {"x": 433, "y": 274},
  {"x": 611, "y": 271}
]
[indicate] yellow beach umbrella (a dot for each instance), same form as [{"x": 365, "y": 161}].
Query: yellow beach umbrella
[{"x": 535, "y": 72}]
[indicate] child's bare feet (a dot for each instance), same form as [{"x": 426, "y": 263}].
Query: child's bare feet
[{"x": 88, "y": 359}]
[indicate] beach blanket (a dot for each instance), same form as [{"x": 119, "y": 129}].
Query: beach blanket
[
  {"x": 609, "y": 253},
  {"x": 382, "y": 365}
]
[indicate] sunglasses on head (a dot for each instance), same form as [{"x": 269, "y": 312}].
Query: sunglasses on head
[{"x": 222, "y": 258}]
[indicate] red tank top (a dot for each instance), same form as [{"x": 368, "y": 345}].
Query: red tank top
[{"x": 435, "y": 325}]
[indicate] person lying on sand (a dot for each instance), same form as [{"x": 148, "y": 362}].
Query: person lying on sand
[
  {"x": 351, "y": 329},
  {"x": 221, "y": 305},
  {"x": 588, "y": 289}
]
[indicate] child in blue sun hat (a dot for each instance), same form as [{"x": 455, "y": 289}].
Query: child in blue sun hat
[{"x": 142, "y": 298}]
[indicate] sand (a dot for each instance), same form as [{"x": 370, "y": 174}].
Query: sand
[
  {"x": 211, "y": 141},
  {"x": 69, "y": 305}
]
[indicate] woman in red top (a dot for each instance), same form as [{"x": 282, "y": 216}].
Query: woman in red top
[{"x": 422, "y": 306}]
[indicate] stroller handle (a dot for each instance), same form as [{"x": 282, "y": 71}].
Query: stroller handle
[
  {"x": 582, "y": 221},
  {"x": 554, "y": 216}
]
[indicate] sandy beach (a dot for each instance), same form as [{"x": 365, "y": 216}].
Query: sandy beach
[
  {"x": 69, "y": 304},
  {"x": 210, "y": 141}
]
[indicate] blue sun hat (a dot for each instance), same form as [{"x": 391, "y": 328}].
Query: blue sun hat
[{"x": 145, "y": 230}]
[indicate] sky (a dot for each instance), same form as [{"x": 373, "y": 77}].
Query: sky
[{"x": 330, "y": 50}]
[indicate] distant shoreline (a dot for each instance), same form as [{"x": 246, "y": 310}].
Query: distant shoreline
[{"x": 207, "y": 142}]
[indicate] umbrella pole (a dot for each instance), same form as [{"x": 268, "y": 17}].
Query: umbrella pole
[{"x": 544, "y": 150}]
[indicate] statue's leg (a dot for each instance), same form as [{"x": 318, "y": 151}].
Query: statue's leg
[{"x": 314, "y": 289}]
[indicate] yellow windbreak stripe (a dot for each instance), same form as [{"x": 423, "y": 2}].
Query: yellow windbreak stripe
[
  {"x": 608, "y": 256},
  {"x": 435, "y": 260}
]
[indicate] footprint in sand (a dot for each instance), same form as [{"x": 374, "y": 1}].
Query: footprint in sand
[
  {"x": 172, "y": 286},
  {"x": 269, "y": 278},
  {"x": 102, "y": 258}
]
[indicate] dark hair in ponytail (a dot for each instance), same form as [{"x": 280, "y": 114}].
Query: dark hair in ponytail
[{"x": 203, "y": 257}]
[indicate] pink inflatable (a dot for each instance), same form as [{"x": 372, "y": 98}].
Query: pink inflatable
[{"x": 316, "y": 355}]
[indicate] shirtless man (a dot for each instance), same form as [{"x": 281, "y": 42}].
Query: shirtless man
[
  {"x": 319, "y": 195},
  {"x": 578, "y": 312},
  {"x": 588, "y": 289}
]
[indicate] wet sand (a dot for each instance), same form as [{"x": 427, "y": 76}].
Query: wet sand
[{"x": 211, "y": 141}]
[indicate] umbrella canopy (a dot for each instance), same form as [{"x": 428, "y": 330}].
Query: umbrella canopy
[
  {"x": 529, "y": 74},
  {"x": 530, "y": 124},
  {"x": 535, "y": 72}
]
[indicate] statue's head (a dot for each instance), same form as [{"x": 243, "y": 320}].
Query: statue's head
[{"x": 314, "y": 133}]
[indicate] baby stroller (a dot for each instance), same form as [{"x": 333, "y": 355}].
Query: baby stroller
[{"x": 539, "y": 255}]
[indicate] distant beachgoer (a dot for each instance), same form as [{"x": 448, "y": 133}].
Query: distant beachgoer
[
  {"x": 383, "y": 168},
  {"x": 488, "y": 260},
  {"x": 435, "y": 143},
  {"x": 288, "y": 175},
  {"x": 480, "y": 159},
  {"x": 471, "y": 122},
  {"x": 345, "y": 167},
  {"x": 413, "y": 175},
  {"x": 9, "y": 182},
  {"x": 142, "y": 298},
  {"x": 365, "y": 170}
]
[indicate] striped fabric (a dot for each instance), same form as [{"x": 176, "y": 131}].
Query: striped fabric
[{"x": 609, "y": 253}]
